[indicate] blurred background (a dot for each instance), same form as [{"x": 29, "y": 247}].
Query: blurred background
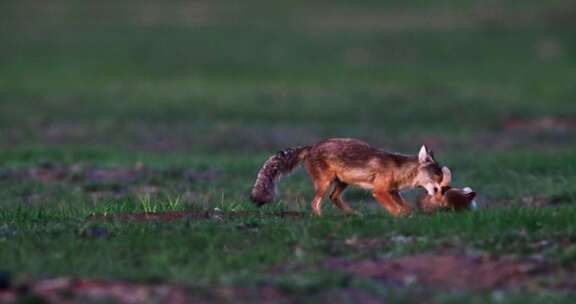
[{"x": 230, "y": 76}]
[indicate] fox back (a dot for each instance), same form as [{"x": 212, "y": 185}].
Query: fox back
[{"x": 356, "y": 163}]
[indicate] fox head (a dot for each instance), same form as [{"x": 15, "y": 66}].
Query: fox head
[{"x": 430, "y": 175}]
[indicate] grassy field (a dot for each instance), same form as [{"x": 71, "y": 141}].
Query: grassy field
[{"x": 116, "y": 108}]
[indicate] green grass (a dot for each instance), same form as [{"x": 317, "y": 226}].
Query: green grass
[
  {"x": 212, "y": 89},
  {"x": 242, "y": 252}
]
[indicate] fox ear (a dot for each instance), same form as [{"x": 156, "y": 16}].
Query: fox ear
[
  {"x": 423, "y": 155},
  {"x": 446, "y": 177}
]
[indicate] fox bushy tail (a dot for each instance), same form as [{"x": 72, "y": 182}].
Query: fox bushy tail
[{"x": 273, "y": 169}]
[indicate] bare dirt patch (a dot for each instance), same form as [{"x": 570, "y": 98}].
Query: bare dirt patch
[
  {"x": 69, "y": 290},
  {"x": 530, "y": 201},
  {"x": 50, "y": 172},
  {"x": 109, "y": 182},
  {"x": 161, "y": 136},
  {"x": 73, "y": 290},
  {"x": 512, "y": 133},
  {"x": 539, "y": 201},
  {"x": 449, "y": 272},
  {"x": 546, "y": 123},
  {"x": 395, "y": 20}
]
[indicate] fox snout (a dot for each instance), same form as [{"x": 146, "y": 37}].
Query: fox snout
[
  {"x": 431, "y": 188},
  {"x": 438, "y": 188}
]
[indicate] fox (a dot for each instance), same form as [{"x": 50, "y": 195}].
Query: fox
[{"x": 337, "y": 163}]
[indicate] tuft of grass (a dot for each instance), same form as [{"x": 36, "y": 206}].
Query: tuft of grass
[{"x": 147, "y": 205}]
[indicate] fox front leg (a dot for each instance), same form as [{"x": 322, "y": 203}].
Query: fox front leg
[{"x": 392, "y": 202}]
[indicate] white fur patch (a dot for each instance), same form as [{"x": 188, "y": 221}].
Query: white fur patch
[
  {"x": 467, "y": 190},
  {"x": 473, "y": 204},
  {"x": 367, "y": 186}
]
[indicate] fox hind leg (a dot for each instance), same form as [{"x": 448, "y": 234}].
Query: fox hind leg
[
  {"x": 320, "y": 187},
  {"x": 321, "y": 177},
  {"x": 336, "y": 197}
]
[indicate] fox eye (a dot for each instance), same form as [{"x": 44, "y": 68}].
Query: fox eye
[{"x": 435, "y": 189}]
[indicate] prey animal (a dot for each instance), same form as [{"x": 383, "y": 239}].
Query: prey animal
[
  {"x": 339, "y": 162},
  {"x": 448, "y": 198}
]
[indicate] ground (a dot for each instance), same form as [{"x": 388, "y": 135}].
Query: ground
[{"x": 130, "y": 135}]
